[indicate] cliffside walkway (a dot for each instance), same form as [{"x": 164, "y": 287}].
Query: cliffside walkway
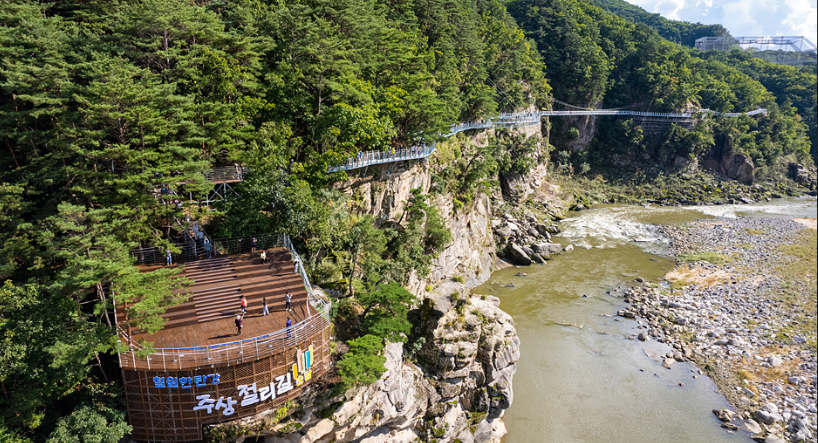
[{"x": 508, "y": 121}]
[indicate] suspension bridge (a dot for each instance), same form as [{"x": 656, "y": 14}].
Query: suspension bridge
[{"x": 511, "y": 121}]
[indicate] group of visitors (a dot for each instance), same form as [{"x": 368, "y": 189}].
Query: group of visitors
[
  {"x": 265, "y": 311},
  {"x": 201, "y": 240},
  {"x": 265, "y": 308}
]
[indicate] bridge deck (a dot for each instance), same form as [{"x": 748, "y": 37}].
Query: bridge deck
[{"x": 508, "y": 121}]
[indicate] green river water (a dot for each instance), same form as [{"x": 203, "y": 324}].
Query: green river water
[{"x": 580, "y": 378}]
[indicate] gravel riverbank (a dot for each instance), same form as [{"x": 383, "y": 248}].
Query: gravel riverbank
[{"x": 742, "y": 306}]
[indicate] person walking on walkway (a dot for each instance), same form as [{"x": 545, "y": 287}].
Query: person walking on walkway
[
  {"x": 265, "y": 311},
  {"x": 243, "y": 304},
  {"x": 200, "y": 237},
  {"x": 238, "y": 324},
  {"x": 264, "y": 257},
  {"x": 253, "y": 245},
  {"x": 169, "y": 256},
  {"x": 289, "y": 327},
  {"x": 207, "y": 247},
  {"x": 288, "y": 298}
]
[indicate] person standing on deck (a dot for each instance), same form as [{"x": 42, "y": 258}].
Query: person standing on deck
[
  {"x": 264, "y": 257},
  {"x": 289, "y": 327},
  {"x": 265, "y": 311},
  {"x": 170, "y": 257},
  {"x": 243, "y": 304},
  {"x": 238, "y": 324},
  {"x": 288, "y": 298},
  {"x": 253, "y": 245},
  {"x": 207, "y": 247}
]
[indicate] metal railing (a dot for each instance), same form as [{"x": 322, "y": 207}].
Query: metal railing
[
  {"x": 648, "y": 114},
  {"x": 367, "y": 158},
  {"x": 242, "y": 350},
  {"x": 505, "y": 120},
  {"x": 226, "y": 173},
  {"x": 232, "y": 352}
]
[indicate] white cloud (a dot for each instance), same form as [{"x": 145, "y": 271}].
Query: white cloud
[{"x": 744, "y": 17}]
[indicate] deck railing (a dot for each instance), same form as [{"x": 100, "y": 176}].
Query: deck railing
[
  {"x": 242, "y": 350},
  {"x": 229, "y": 353},
  {"x": 367, "y": 158},
  {"x": 226, "y": 173}
]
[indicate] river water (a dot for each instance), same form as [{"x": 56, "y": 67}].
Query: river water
[{"x": 580, "y": 377}]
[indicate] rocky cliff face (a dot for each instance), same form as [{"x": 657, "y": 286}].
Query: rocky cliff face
[
  {"x": 462, "y": 396},
  {"x": 462, "y": 383}
]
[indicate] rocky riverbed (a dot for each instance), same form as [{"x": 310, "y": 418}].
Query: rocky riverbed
[{"x": 741, "y": 305}]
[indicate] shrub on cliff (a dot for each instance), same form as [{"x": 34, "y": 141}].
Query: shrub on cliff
[
  {"x": 364, "y": 363},
  {"x": 385, "y": 311}
]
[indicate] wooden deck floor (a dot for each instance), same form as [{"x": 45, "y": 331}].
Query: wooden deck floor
[{"x": 207, "y": 318}]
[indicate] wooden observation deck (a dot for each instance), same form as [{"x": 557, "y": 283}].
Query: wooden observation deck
[
  {"x": 207, "y": 317},
  {"x": 200, "y": 372}
]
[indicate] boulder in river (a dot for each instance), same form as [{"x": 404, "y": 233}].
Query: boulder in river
[
  {"x": 517, "y": 254},
  {"x": 547, "y": 249},
  {"x": 543, "y": 230},
  {"x": 751, "y": 426}
]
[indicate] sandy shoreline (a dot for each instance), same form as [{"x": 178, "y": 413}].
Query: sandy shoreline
[{"x": 811, "y": 223}]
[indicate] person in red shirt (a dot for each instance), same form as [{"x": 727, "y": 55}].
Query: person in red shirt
[{"x": 243, "y": 305}]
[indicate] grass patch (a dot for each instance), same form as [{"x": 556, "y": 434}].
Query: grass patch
[
  {"x": 798, "y": 269},
  {"x": 710, "y": 257},
  {"x": 688, "y": 275}
]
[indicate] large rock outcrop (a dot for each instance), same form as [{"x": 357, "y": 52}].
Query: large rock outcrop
[
  {"x": 462, "y": 396},
  {"x": 462, "y": 384},
  {"x": 735, "y": 166}
]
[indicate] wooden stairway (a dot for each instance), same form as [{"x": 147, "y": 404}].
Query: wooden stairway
[{"x": 218, "y": 284}]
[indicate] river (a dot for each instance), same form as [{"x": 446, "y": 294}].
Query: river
[{"x": 582, "y": 377}]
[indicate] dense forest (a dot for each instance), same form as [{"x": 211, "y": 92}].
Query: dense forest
[
  {"x": 606, "y": 60},
  {"x": 99, "y": 99},
  {"x": 683, "y": 33}
]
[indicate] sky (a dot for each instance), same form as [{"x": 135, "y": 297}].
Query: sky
[{"x": 743, "y": 17}]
